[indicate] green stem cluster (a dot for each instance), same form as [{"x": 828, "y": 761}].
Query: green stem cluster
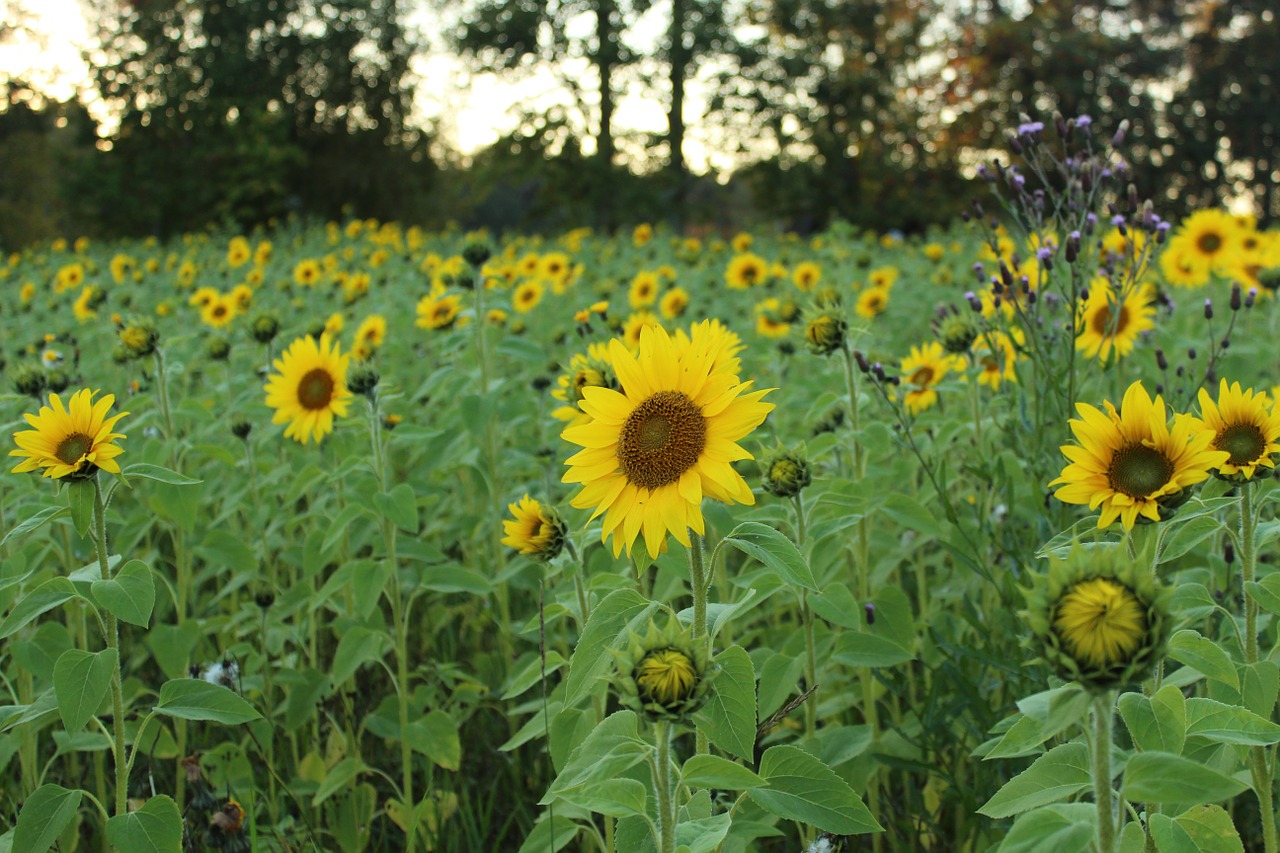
[
  {"x": 112, "y": 630},
  {"x": 1259, "y": 767}
]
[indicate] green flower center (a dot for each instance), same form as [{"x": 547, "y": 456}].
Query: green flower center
[
  {"x": 1245, "y": 443},
  {"x": 315, "y": 391},
  {"x": 1138, "y": 470},
  {"x": 73, "y": 448},
  {"x": 661, "y": 439}
]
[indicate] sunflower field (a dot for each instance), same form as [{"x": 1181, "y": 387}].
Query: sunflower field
[{"x": 355, "y": 537}]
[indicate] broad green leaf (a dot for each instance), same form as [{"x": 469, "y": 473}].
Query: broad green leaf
[
  {"x": 910, "y": 513},
  {"x": 775, "y": 551},
  {"x": 1204, "y": 656},
  {"x": 81, "y": 497},
  {"x": 711, "y": 771},
  {"x": 1161, "y": 777},
  {"x": 160, "y": 474},
  {"x": 605, "y": 630},
  {"x": 81, "y": 681},
  {"x": 40, "y": 519},
  {"x": 838, "y": 606},
  {"x": 803, "y": 789},
  {"x": 703, "y": 835},
  {"x": 612, "y": 797},
  {"x": 1210, "y": 829},
  {"x": 1157, "y": 724},
  {"x": 540, "y": 839},
  {"x": 49, "y": 810},
  {"x": 341, "y": 775},
  {"x": 1062, "y": 828},
  {"x": 1229, "y": 724},
  {"x": 1188, "y": 535},
  {"x": 154, "y": 828},
  {"x": 436, "y": 737},
  {"x": 228, "y": 552},
  {"x": 613, "y": 747},
  {"x": 1260, "y": 686},
  {"x": 531, "y": 674},
  {"x": 1060, "y": 773},
  {"x": 130, "y": 595},
  {"x": 357, "y": 647},
  {"x": 1192, "y": 602},
  {"x": 193, "y": 699},
  {"x": 303, "y": 690},
  {"x": 172, "y": 647},
  {"x": 729, "y": 717},
  {"x": 1266, "y": 592},
  {"x": 857, "y": 649},
  {"x": 40, "y": 600},
  {"x": 400, "y": 507}
]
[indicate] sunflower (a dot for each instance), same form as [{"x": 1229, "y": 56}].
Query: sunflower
[
  {"x": 1212, "y": 236},
  {"x": 85, "y": 303},
  {"x": 438, "y": 312},
  {"x": 238, "y": 252},
  {"x": 634, "y": 325},
  {"x": 806, "y": 275},
  {"x": 1182, "y": 266},
  {"x": 644, "y": 290},
  {"x": 220, "y": 311},
  {"x": 73, "y": 441},
  {"x": 654, "y": 449},
  {"x": 534, "y": 530},
  {"x": 527, "y": 296},
  {"x": 872, "y": 302},
  {"x": 1108, "y": 320},
  {"x": 642, "y": 234},
  {"x": 922, "y": 369},
  {"x": 884, "y": 277},
  {"x": 309, "y": 388},
  {"x": 589, "y": 369},
  {"x": 1130, "y": 463},
  {"x": 996, "y": 353},
  {"x": 1244, "y": 424},
  {"x": 372, "y": 331},
  {"x": 673, "y": 303},
  {"x": 745, "y": 270},
  {"x": 769, "y": 319},
  {"x": 306, "y": 273}
]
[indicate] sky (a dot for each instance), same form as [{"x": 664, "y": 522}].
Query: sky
[{"x": 469, "y": 111}]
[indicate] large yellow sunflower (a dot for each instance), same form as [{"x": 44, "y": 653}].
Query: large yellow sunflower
[
  {"x": 309, "y": 388},
  {"x": 75, "y": 440},
  {"x": 1245, "y": 424},
  {"x": 1108, "y": 320},
  {"x": 1212, "y": 236},
  {"x": 1130, "y": 462},
  {"x": 653, "y": 450}
]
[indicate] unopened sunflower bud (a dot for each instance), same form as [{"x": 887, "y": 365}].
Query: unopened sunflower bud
[
  {"x": 665, "y": 675},
  {"x": 363, "y": 380},
  {"x": 241, "y": 428},
  {"x": 786, "y": 473},
  {"x": 825, "y": 334},
  {"x": 264, "y": 327},
  {"x": 57, "y": 380},
  {"x": 218, "y": 348},
  {"x": 139, "y": 337},
  {"x": 477, "y": 253},
  {"x": 30, "y": 381}
]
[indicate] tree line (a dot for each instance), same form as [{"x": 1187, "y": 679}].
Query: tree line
[{"x": 871, "y": 111}]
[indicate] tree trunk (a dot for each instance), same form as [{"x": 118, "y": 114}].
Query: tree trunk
[
  {"x": 675, "y": 117},
  {"x": 605, "y": 58}
]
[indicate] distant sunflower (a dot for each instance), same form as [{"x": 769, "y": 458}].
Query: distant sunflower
[
  {"x": 644, "y": 290},
  {"x": 309, "y": 388},
  {"x": 307, "y": 272},
  {"x": 438, "y": 312},
  {"x": 673, "y": 303},
  {"x": 922, "y": 369},
  {"x": 745, "y": 270},
  {"x": 1212, "y": 236},
  {"x": 75, "y": 440},
  {"x": 634, "y": 325},
  {"x": 872, "y": 302},
  {"x": 534, "y": 530},
  {"x": 1182, "y": 266},
  {"x": 221, "y": 311},
  {"x": 372, "y": 331},
  {"x": 654, "y": 449},
  {"x": 1107, "y": 320},
  {"x": 1246, "y": 425},
  {"x": 806, "y": 275},
  {"x": 585, "y": 370},
  {"x": 527, "y": 296},
  {"x": 996, "y": 353},
  {"x": 1129, "y": 462}
]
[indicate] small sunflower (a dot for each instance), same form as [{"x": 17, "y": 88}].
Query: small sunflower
[
  {"x": 872, "y": 302},
  {"x": 654, "y": 449},
  {"x": 1130, "y": 463},
  {"x": 534, "y": 530},
  {"x": 1099, "y": 619},
  {"x": 1109, "y": 320},
  {"x": 806, "y": 275},
  {"x": 527, "y": 296},
  {"x": 220, "y": 311},
  {"x": 75, "y": 440},
  {"x": 438, "y": 312},
  {"x": 1181, "y": 266},
  {"x": 634, "y": 325},
  {"x": 673, "y": 303},
  {"x": 372, "y": 331},
  {"x": 309, "y": 388},
  {"x": 922, "y": 369},
  {"x": 745, "y": 270},
  {"x": 586, "y": 370},
  {"x": 644, "y": 290},
  {"x": 1246, "y": 425},
  {"x": 307, "y": 272},
  {"x": 996, "y": 353}
]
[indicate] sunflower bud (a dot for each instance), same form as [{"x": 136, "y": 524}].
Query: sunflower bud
[
  {"x": 534, "y": 530},
  {"x": 139, "y": 337},
  {"x": 363, "y": 380},
  {"x": 218, "y": 348},
  {"x": 664, "y": 675},
  {"x": 786, "y": 473},
  {"x": 955, "y": 331},
  {"x": 241, "y": 428},
  {"x": 825, "y": 333},
  {"x": 265, "y": 327},
  {"x": 1098, "y": 619},
  {"x": 57, "y": 380},
  {"x": 476, "y": 253},
  {"x": 30, "y": 381}
]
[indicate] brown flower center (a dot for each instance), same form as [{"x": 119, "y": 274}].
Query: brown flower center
[
  {"x": 315, "y": 391},
  {"x": 73, "y": 448},
  {"x": 1103, "y": 319},
  {"x": 1209, "y": 242},
  {"x": 1245, "y": 443},
  {"x": 1138, "y": 470},
  {"x": 661, "y": 439},
  {"x": 923, "y": 377}
]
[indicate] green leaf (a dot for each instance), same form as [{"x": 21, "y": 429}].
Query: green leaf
[
  {"x": 228, "y": 552},
  {"x": 712, "y": 771},
  {"x": 130, "y": 595},
  {"x": 49, "y": 810},
  {"x": 1060, "y": 773},
  {"x": 154, "y": 828},
  {"x": 729, "y": 717},
  {"x": 856, "y": 649},
  {"x": 40, "y": 600},
  {"x": 1260, "y": 686},
  {"x": 613, "y": 797},
  {"x": 1157, "y": 724},
  {"x": 193, "y": 699},
  {"x": 776, "y": 551},
  {"x": 81, "y": 681},
  {"x": 340, "y": 775},
  {"x": 357, "y": 647},
  {"x": 1187, "y": 535},
  {"x": 40, "y": 519},
  {"x": 803, "y": 789},
  {"x": 1063, "y": 828},
  {"x": 1161, "y": 777},
  {"x": 605, "y": 629},
  {"x": 147, "y": 471},
  {"x": 436, "y": 737},
  {"x": 612, "y": 748},
  {"x": 1192, "y": 602},
  {"x": 1204, "y": 656},
  {"x": 400, "y": 507},
  {"x": 910, "y": 513},
  {"x": 1208, "y": 828},
  {"x": 81, "y": 496},
  {"x": 1229, "y": 724},
  {"x": 1266, "y": 592}
]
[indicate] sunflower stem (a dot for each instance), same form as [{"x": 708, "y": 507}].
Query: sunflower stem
[
  {"x": 806, "y": 614},
  {"x": 1102, "y": 791},
  {"x": 1263, "y": 783},
  {"x": 113, "y": 643},
  {"x": 666, "y": 794},
  {"x": 698, "y": 583}
]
